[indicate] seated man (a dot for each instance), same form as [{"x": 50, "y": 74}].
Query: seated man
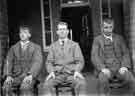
[
  {"x": 64, "y": 64},
  {"x": 24, "y": 61},
  {"x": 111, "y": 57}
]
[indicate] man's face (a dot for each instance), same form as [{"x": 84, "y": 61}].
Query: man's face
[
  {"x": 107, "y": 28},
  {"x": 62, "y": 31},
  {"x": 24, "y": 34}
]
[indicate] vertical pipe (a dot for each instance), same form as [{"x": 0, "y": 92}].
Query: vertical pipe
[
  {"x": 109, "y": 8},
  {"x": 71, "y": 34},
  {"x": 132, "y": 21},
  {"x": 101, "y": 15},
  {"x": 51, "y": 21},
  {"x": 7, "y": 64},
  {"x": 0, "y": 60},
  {"x": 43, "y": 24}
]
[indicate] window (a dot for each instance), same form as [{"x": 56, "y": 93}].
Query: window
[{"x": 46, "y": 19}]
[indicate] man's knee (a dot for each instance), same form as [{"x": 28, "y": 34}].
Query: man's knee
[
  {"x": 80, "y": 82},
  {"x": 26, "y": 87},
  {"x": 128, "y": 76},
  {"x": 102, "y": 78},
  {"x": 129, "y": 79},
  {"x": 47, "y": 86},
  {"x": 48, "y": 83}
]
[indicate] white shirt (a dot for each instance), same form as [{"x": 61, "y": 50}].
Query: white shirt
[
  {"x": 65, "y": 40},
  {"x": 24, "y": 44},
  {"x": 108, "y": 37}
]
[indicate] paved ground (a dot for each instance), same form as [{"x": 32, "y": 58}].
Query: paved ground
[{"x": 92, "y": 88}]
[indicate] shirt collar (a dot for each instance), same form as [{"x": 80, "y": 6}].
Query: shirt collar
[
  {"x": 24, "y": 43},
  {"x": 65, "y": 40},
  {"x": 108, "y": 37}
]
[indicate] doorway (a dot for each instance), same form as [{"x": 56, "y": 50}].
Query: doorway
[{"x": 79, "y": 20}]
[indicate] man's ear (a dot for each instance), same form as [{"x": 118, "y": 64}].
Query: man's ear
[
  {"x": 67, "y": 31},
  {"x": 57, "y": 32},
  {"x": 29, "y": 35}
]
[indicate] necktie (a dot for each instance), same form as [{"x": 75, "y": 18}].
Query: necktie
[{"x": 62, "y": 42}]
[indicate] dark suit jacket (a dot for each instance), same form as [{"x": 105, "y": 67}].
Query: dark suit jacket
[
  {"x": 65, "y": 58},
  {"x": 121, "y": 52},
  {"x": 20, "y": 64}
]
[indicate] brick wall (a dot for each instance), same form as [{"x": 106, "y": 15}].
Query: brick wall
[
  {"x": 96, "y": 16},
  {"x": 126, "y": 14},
  {"x": 3, "y": 35},
  {"x": 132, "y": 22},
  {"x": 3, "y": 18},
  {"x": 3, "y": 32}
]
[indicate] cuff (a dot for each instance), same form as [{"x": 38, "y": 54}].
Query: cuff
[{"x": 124, "y": 68}]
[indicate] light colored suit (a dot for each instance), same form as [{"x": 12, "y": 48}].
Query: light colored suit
[
  {"x": 68, "y": 56},
  {"x": 103, "y": 53},
  {"x": 64, "y": 60},
  {"x": 112, "y": 55},
  {"x": 22, "y": 63}
]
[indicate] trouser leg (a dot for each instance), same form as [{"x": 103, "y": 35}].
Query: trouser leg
[
  {"x": 7, "y": 90},
  {"x": 26, "y": 92},
  {"x": 129, "y": 78},
  {"x": 48, "y": 88},
  {"x": 79, "y": 85},
  {"x": 27, "y": 89},
  {"x": 49, "y": 85},
  {"x": 103, "y": 84}
]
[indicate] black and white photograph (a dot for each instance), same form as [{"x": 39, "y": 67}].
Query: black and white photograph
[{"x": 67, "y": 47}]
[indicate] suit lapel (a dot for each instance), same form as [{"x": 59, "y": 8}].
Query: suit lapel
[
  {"x": 29, "y": 49},
  {"x": 17, "y": 50},
  {"x": 115, "y": 41}
]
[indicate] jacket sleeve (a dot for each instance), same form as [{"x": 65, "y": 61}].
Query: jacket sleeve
[
  {"x": 9, "y": 62},
  {"x": 78, "y": 57},
  {"x": 96, "y": 55},
  {"x": 36, "y": 61},
  {"x": 126, "y": 60},
  {"x": 50, "y": 60}
]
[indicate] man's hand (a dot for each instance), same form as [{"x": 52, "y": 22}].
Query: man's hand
[
  {"x": 28, "y": 79},
  {"x": 51, "y": 75},
  {"x": 106, "y": 72},
  {"x": 9, "y": 80},
  {"x": 78, "y": 75},
  {"x": 122, "y": 70}
]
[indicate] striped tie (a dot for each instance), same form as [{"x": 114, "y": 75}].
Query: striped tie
[{"x": 63, "y": 43}]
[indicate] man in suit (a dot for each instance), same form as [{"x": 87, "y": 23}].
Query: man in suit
[
  {"x": 64, "y": 64},
  {"x": 111, "y": 57},
  {"x": 24, "y": 61}
]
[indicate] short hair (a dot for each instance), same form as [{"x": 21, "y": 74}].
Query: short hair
[
  {"x": 27, "y": 27},
  {"x": 62, "y": 23},
  {"x": 108, "y": 20}
]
